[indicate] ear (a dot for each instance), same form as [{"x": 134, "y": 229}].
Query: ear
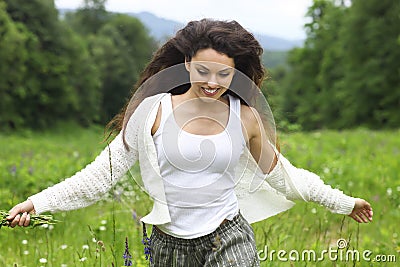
[{"x": 187, "y": 65}]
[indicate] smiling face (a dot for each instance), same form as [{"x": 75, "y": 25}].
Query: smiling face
[{"x": 211, "y": 73}]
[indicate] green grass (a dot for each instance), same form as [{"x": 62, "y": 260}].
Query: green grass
[{"x": 360, "y": 162}]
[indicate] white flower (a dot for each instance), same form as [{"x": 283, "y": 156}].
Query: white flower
[
  {"x": 45, "y": 225},
  {"x": 63, "y": 246},
  {"x": 389, "y": 191},
  {"x": 24, "y": 242},
  {"x": 314, "y": 210},
  {"x": 51, "y": 227},
  {"x": 103, "y": 222},
  {"x": 83, "y": 259},
  {"x": 94, "y": 240},
  {"x": 63, "y": 265},
  {"x": 42, "y": 260},
  {"x": 85, "y": 247},
  {"x": 102, "y": 228},
  {"x": 26, "y": 252}
]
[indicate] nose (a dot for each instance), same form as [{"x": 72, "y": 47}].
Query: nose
[
  {"x": 212, "y": 85},
  {"x": 212, "y": 82}
]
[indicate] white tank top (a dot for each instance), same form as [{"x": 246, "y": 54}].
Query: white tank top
[{"x": 198, "y": 172}]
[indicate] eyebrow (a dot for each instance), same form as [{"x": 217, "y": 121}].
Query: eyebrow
[{"x": 201, "y": 65}]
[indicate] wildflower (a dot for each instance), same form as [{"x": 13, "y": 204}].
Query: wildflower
[
  {"x": 314, "y": 210},
  {"x": 63, "y": 265},
  {"x": 36, "y": 220},
  {"x": 389, "y": 191},
  {"x": 127, "y": 256},
  {"x": 83, "y": 259},
  {"x": 103, "y": 222},
  {"x": 43, "y": 260},
  {"x": 101, "y": 245},
  {"x": 147, "y": 244},
  {"x": 85, "y": 247},
  {"x": 63, "y": 246},
  {"x": 24, "y": 242},
  {"x": 102, "y": 228},
  {"x": 135, "y": 217},
  {"x": 26, "y": 252}
]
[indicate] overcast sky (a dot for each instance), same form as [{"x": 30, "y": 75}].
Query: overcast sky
[{"x": 281, "y": 18}]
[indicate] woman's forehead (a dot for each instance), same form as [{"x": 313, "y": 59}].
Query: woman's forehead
[{"x": 212, "y": 58}]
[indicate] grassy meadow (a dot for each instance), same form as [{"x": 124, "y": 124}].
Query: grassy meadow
[{"x": 360, "y": 162}]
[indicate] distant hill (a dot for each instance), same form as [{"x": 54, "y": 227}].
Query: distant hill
[{"x": 161, "y": 28}]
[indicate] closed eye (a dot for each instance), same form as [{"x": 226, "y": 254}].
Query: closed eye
[
  {"x": 224, "y": 74},
  {"x": 202, "y": 72}
]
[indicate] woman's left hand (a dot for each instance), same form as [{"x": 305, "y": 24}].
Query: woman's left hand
[{"x": 362, "y": 211}]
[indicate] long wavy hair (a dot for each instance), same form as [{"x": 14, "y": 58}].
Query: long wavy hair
[{"x": 227, "y": 37}]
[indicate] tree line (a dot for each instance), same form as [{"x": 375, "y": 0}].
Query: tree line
[
  {"x": 347, "y": 74},
  {"x": 80, "y": 67}
]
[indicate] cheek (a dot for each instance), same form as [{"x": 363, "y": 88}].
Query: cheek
[
  {"x": 197, "y": 78},
  {"x": 226, "y": 81}
]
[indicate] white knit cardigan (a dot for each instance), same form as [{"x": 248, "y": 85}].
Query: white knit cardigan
[{"x": 260, "y": 196}]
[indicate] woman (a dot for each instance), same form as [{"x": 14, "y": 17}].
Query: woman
[{"x": 205, "y": 141}]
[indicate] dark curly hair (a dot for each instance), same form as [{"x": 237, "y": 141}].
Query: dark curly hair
[{"x": 227, "y": 37}]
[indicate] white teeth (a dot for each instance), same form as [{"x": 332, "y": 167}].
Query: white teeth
[{"x": 210, "y": 91}]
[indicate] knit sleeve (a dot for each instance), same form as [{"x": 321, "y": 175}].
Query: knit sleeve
[
  {"x": 296, "y": 183},
  {"x": 91, "y": 183}
]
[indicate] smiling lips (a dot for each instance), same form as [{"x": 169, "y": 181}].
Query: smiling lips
[{"x": 209, "y": 92}]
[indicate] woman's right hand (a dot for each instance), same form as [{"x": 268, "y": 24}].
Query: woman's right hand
[{"x": 19, "y": 214}]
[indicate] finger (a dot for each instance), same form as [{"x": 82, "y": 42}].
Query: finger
[
  {"x": 354, "y": 217},
  {"x": 23, "y": 219},
  {"x": 363, "y": 217},
  {"x": 12, "y": 213},
  {"x": 15, "y": 221},
  {"x": 28, "y": 220},
  {"x": 367, "y": 214}
]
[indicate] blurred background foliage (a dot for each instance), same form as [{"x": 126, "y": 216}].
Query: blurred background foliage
[
  {"x": 82, "y": 65},
  {"x": 79, "y": 67},
  {"x": 347, "y": 74}
]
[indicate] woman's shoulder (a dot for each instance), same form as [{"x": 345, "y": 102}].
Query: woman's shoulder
[{"x": 248, "y": 113}]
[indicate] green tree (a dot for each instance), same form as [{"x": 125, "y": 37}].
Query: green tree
[
  {"x": 372, "y": 63},
  {"x": 54, "y": 62},
  {"x": 90, "y": 18},
  {"x": 14, "y": 44},
  {"x": 120, "y": 49}
]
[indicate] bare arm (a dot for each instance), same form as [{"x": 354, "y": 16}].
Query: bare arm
[{"x": 257, "y": 140}]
